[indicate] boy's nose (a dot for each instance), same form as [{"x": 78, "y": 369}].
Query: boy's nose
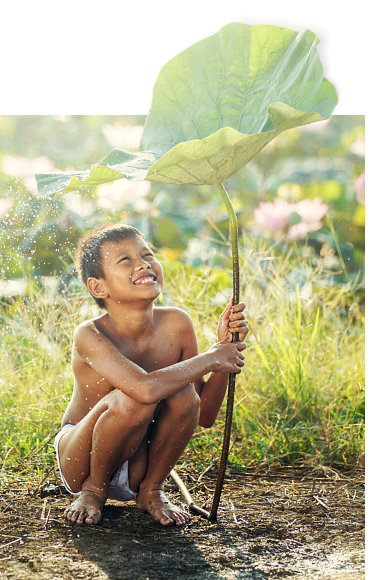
[{"x": 141, "y": 264}]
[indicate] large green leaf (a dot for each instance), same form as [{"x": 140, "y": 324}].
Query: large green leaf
[
  {"x": 215, "y": 158},
  {"x": 216, "y": 105}
]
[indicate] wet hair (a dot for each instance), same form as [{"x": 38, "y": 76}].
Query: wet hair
[{"x": 89, "y": 261}]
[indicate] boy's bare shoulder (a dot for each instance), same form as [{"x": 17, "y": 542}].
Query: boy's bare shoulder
[
  {"x": 88, "y": 330},
  {"x": 88, "y": 326},
  {"x": 175, "y": 315}
]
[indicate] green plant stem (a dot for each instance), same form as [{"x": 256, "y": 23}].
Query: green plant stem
[{"x": 233, "y": 224}]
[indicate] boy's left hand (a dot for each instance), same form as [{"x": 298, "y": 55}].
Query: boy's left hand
[{"x": 232, "y": 320}]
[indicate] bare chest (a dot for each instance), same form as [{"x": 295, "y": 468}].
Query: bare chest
[{"x": 161, "y": 352}]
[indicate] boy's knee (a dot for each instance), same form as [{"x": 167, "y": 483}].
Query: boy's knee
[
  {"x": 127, "y": 409},
  {"x": 185, "y": 401}
]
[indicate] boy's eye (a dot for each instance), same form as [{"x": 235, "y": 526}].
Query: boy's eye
[{"x": 128, "y": 258}]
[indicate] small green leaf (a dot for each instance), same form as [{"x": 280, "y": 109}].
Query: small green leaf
[{"x": 294, "y": 218}]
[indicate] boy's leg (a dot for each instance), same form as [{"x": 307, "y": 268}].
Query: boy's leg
[
  {"x": 89, "y": 454},
  {"x": 177, "y": 419}
]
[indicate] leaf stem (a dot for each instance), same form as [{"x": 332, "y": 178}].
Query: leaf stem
[{"x": 233, "y": 225}]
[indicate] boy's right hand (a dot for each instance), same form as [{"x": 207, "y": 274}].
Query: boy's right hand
[{"x": 228, "y": 356}]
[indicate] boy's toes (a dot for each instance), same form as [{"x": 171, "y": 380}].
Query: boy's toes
[
  {"x": 86, "y": 509},
  {"x": 176, "y": 516},
  {"x": 179, "y": 518},
  {"x": 165, "y": 520},
  {"x": 182, "y": 518},
  {"x": 80, "y": 517},
  {"x": 163, "y": 511},
  {"x": 68, "y": 514}
]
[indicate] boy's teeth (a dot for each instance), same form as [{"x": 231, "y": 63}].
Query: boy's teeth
[{"x": 145, "y": 279}]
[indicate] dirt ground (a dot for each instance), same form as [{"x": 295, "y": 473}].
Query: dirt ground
[{"x": 276, "y": 523}]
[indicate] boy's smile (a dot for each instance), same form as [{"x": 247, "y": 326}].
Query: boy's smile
[{"x": 146, "y": 279}]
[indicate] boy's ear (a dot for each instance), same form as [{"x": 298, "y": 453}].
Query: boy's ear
[{"x": 96, "y": 287}]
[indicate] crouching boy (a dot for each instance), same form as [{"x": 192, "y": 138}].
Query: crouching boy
[{"x": 139, "y": 390}]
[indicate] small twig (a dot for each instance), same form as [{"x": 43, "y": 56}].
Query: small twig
[
  {"x": 320, "y": 502},
  {"x": 45, "y": 477},
  {"x": 47, "y": 518},
  {"x": 233, "y": 512},
  {"x": 205, "y": 471},
  {"x": 6, "y": 457},
  {"x": 13, "y": 542},
  {"x": 43, "y": 510}
]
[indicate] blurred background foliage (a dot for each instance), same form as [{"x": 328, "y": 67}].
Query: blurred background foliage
[
  {"x": 301, "y": 396},
  {"x": 188, "y": 223}
]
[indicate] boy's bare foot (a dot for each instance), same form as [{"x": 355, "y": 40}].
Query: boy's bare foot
[
  {"x": 163, "y": 511},
  {"x": 86, "y": 508}
]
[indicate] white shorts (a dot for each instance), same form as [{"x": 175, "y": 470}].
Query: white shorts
[{"x": 119, "y": 485}]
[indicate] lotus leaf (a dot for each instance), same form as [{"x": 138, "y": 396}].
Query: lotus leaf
[{"x": 216, "y": 105}]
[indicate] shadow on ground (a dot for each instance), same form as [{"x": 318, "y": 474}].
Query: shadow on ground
[
  {"x": 130, "y": 545},
  {"x": 294, "y": 523}
]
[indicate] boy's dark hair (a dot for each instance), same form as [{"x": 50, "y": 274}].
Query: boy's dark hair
[{"x": 88, "y": 260}]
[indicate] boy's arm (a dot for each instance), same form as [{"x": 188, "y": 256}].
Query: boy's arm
[
  {"x": 210, "y": 391},
  {"x": 96, "y": 350}
]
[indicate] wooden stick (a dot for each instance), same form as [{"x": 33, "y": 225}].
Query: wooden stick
[
  {"x": 225, "y": 447},
  {"x": 185, "y": 492},
  {"x": 233, "y": 225}
]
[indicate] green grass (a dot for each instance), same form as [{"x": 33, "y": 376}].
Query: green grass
[{"x": 299, "y": 398}]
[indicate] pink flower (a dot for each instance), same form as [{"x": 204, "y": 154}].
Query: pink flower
[
  {"x": 311, "y": 211},
  {"x": 360, "y": 189},
  {"x": 5, "y": 205},
  {"x": 275, "y": 217}
]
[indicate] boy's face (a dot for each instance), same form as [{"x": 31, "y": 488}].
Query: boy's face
[{"x": 131, "y": 270}]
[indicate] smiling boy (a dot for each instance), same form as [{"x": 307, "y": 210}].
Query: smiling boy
[{"x": 139, "y": 390}]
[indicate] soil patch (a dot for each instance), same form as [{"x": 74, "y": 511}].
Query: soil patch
[{"x": 276, "y": 523}]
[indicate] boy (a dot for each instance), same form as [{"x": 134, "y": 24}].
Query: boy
[{"x": 137, "y": 397}]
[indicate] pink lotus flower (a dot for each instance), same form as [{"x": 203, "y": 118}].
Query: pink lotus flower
[
  {"x": 311, "y": 211},
  {"x": 360, "y": 189},
  {"x": 5, "y": 205},
  {"x": 275, "y": 217}
]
